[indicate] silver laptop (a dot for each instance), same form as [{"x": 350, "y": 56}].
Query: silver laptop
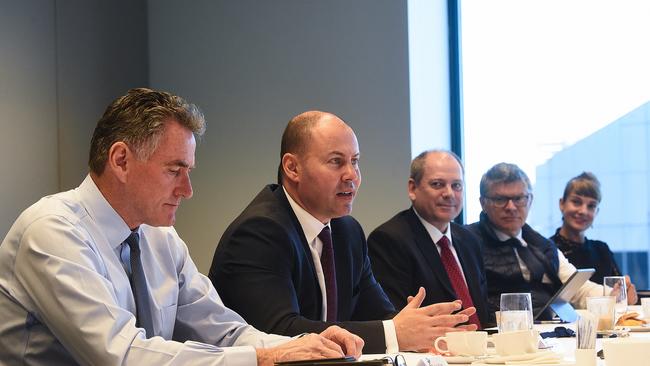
[{"x": 560, "y": 303}]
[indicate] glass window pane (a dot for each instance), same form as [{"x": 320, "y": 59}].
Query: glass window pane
[{"x": 561, "y": 87}]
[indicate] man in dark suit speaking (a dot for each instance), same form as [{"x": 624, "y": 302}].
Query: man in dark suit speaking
[
  {"x": 295, "y": 262},
  {"x": 422, "y": 247}
]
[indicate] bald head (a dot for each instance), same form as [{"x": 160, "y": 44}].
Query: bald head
[
  {"x": 436, "y": 187},
  {"x": 418, "y": 163},
  {"x": 299, "y": 132},
  {"x": 319, "y": 168}
]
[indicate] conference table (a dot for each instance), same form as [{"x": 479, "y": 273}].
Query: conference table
[{"x": 563, "y": 346}]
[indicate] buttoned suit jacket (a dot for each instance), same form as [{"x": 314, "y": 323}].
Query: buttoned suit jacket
[
  {"x": 404, "y": 257},
  {"x": 264, "y": 270}
]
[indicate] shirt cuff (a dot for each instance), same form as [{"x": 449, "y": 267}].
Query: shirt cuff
[
  {"x": 391, "y": 336},
  {"x": 242, "y": 355}
]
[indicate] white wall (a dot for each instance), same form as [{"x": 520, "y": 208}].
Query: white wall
[
  {"x": 101, "y": 53},
  {"x": 28, "y": 124},
  {"x": 252, "y": 65},
  {"x": 61, "y": 62}
]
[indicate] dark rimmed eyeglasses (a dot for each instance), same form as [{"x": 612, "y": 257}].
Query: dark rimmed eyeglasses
[
  {"x": 502, "y": 201},
  {"x": 398, "y": 360}
]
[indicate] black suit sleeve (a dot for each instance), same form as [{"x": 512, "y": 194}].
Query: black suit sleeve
[
  {"x": 259, "y": 269},
  {"x": 369, "y": 301},
  {"x": 392, "y": 267}
]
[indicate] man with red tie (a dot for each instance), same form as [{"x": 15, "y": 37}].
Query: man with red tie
[
  {"x": 422, "y": 247},
  {"x": 294, "y": 260}
]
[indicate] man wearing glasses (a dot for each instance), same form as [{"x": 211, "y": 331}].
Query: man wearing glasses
[{"x": 516, "y": 257}]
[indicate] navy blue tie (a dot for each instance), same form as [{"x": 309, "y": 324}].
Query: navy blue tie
[{"x": 139, "y": 286}]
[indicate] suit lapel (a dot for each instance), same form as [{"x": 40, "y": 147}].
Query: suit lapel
[
  {"x": 429, "y": 251},
  {"x": 279, "y": 194},
  {"x": 342, "y": 260}
]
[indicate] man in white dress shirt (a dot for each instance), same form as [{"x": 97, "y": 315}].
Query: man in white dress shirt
[{"x": 98, "y": 275}]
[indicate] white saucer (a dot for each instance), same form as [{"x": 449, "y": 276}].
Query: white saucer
[
  {"x": 495, "y": 359},
  {"x": 621, "y": 332},
  {"x": 639, "y": 328},
  {"x": 464, "y": 359},
  {"x": 491, "y": 352}
]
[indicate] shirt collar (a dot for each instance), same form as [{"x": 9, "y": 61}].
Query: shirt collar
[
  {"x": 311, "y": 226},
  {"x": 113, "y": 226},
  {"x": 503, "y": 236},
  {"x": 433, "y": 231}
]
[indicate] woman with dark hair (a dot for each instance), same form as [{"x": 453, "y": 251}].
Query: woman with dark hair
[{"x": 579, "y": 206}]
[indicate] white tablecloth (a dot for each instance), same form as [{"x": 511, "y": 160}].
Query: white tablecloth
[{"x": 564, "y": 346}]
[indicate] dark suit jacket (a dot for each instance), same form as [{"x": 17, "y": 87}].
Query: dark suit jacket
[
  {"x": 502, "y": 268},
  {"x": 263, "y": 269},
  {"x": 404, "y": 258}
]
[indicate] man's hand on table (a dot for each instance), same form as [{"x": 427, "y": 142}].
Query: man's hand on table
[
  {"x": 350, "y": 343},
  {"x": 333, "y": 342},
  {"x": 418, "y": 327}
]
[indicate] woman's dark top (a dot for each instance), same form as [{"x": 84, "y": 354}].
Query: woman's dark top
[{"x": 590, "y": 254}]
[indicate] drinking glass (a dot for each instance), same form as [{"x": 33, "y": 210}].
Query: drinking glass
[
  {"x": 615, "y": 286},
  {"x": 516, "y": 311},
  {"x": 603, "y": 308}
]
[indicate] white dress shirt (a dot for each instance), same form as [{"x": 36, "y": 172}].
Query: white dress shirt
[
  {"x": 311, "y": 226},
  {"x": 436, "y": 235},
  {"x": 565, "y": 270},
  {"x": 66, "y": 299}
]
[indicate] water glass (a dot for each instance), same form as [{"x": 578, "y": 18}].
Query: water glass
[
  {"x": 516, "y": 312},
  {"x": 615, "y": 286},
  {"x": 603, "y": 308}
]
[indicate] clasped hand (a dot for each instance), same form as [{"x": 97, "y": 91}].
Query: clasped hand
[{"x": 333, "y": 342}]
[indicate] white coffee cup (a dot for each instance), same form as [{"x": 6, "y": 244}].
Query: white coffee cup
[
  {"x": 516, "y": 342},
  {"x": 585, "y": 357},
  {"x": 626, "y": 351},
  {"x": 463, "y": 343}
]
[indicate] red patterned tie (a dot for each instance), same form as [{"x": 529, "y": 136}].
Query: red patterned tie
[
  {"x": 456, "y": 278},
  {"x": 329, "y": 272}
]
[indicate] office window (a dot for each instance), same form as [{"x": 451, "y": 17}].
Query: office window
[{"x": 561, "y": 87}]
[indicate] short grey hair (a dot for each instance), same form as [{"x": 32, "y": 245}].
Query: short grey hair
[{"x": 503, "y": 173}]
